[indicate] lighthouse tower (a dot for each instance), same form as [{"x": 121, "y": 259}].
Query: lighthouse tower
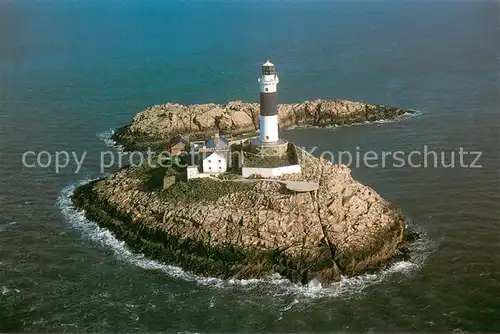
[{"x": 268, "y": 83}]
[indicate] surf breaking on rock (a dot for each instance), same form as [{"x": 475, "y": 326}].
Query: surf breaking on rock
[
  {"x": 278, "y": 286},
  {"x": 216, "y": 219}
]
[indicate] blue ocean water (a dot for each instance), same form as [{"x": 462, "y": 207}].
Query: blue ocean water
[{"x": 71, "y": 71}]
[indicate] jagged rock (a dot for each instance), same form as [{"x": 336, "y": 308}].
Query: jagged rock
[
  {"x": 155, "y": 125},
  {"x": 343, "y": 228}
]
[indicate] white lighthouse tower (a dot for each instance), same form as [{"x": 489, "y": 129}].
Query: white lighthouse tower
[{"x": 268, "y": 83}]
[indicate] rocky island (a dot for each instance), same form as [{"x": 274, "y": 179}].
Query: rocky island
[
  {"x": 152, "y": 127},
  {"x": 226, "y": 221}
]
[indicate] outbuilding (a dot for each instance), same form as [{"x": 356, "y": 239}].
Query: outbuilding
[{"x": 177, "y": 145}]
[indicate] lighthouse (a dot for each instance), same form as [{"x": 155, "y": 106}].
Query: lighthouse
[{"x": 268, "y": 83}]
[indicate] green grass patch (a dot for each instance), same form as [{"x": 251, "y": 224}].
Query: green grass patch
[
  {"x": 263, "y": 161},
  {"x": 202, "y": 190},
  {"x": 152, "y": 177}
]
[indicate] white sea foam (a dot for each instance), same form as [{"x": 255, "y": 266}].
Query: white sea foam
[
  {"x": 289, "y": 306},
  {"x": 5, "y": 227},
  {"x": 410, "y": 114},
  {"x": 274, "y": 285},
  {"x": 5, "y": 290},
  {"x": 106, "y": 137}
]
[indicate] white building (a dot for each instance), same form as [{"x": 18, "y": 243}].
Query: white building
[
  {"x": 215, "y": 162},
  {"x": 212, "y": 157}
]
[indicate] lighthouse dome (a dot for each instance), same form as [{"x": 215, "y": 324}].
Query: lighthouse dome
[{"x": 268, "y": 68}]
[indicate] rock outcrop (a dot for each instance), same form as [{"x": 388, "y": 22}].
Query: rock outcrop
[
  {"x": 343, "y": 228},
  {"x": 155, "y": 125}
]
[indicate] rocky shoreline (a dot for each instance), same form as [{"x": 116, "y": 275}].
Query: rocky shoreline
[
  {"x": 343, "y": 229},
  {"x": 152, "y": 127},
  {"x": 252, "y": 230}
]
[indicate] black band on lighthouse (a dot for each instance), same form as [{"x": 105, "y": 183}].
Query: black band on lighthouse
[{"x": 268, "y": 104}]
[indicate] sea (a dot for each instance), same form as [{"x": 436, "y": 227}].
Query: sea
[{"x": 72, "y": 71}]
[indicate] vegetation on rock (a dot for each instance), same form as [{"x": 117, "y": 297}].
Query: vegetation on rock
[
  {"x": 262, "y": 161},
  {"x": 205, "y": 189}
]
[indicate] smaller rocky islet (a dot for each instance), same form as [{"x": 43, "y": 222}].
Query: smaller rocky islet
[{"x": 154, "y": 125}]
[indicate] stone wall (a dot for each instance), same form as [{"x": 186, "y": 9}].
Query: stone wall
[
  {"x": 294, "y": 154},
  {"x": 277, "y": 149},
  {"x": 270, "y": 172}
]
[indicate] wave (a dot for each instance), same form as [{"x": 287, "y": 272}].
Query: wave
[
  {"x": 5, "y": 290},
  {"x": 410, "y": 114},
  {"x": 275, "y": 284},
  {"x": 107, "y": 137},
  {"x": 5, "y": 227}
]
